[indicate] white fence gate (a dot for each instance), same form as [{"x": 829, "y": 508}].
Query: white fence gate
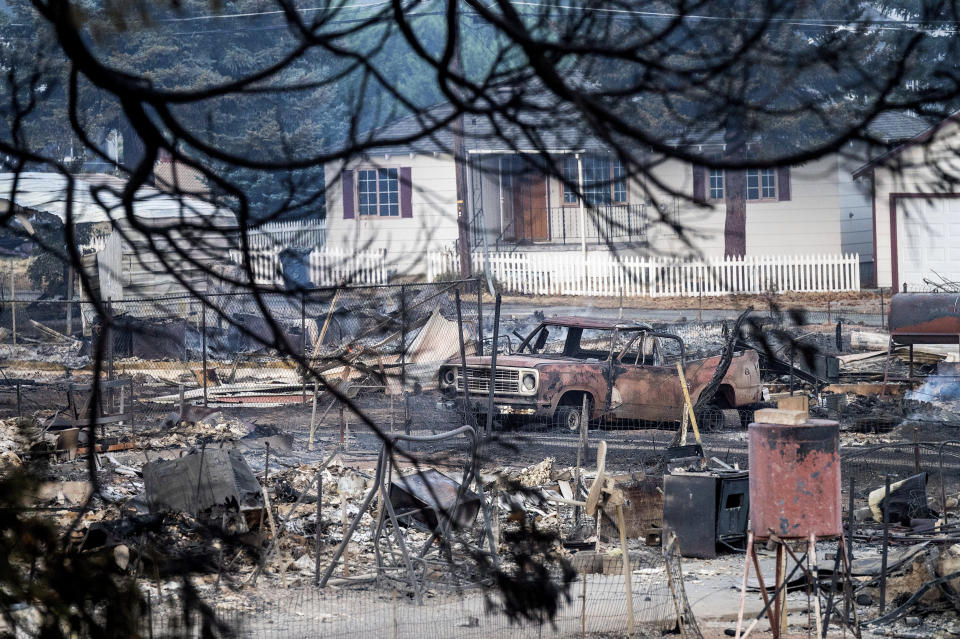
[
  {"x": 327, "y": 266},
  {"x": 607, "y": 274}
]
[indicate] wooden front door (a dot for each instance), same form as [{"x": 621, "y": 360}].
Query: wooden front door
[{"x": 528, "y": 197}]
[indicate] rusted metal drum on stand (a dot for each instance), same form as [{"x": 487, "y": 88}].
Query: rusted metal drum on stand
[
  {"x": 925, "y": 318},
  {"x": 795, "y": 480}
]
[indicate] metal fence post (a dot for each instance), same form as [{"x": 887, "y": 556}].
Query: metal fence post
[
  {"x": 468, "y": 419},
  {"x": 13, "y": 303},
  {"x": 883, "y": 321},
  {"x": 493, "y": 364},
  {"x": 316, "y": 567},
  {"x": 479, "y": 316},
  {"x": 916, "y": 448},
  {"x": 109, "y": 337},
  {"x": 884, "y": 547},
  {"x": 403, "y": 358},
  {"x": 203, "y": 347},
  {"x": 303, "y": 346},
  {"x": 70, "y": 278}
]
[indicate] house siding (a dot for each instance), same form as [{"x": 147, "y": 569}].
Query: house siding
[
  {"x": 856, "y": 214},
  {"x": 406, "y": 241},
  {"x": 918, "y": 170},
  {"x": 808, "y": 223},
  {"x": 816, "y": 220}
]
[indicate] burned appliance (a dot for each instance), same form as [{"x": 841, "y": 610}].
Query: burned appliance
[
  {"x": 428, "y": 498},
  {"x": 706, "y": 510},
  {"x": 798, "y": 492},
  {"x": 214, "y": 485}
]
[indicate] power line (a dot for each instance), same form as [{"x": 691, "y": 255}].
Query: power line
[{"x": 930, "y": 27}]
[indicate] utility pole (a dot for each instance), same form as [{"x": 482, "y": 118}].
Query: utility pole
[{"x": 460, "y": 164}]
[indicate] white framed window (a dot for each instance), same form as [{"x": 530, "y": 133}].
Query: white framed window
[
  {"x": 571, "y": 177},
  {"x": 761, "y": 184},
  {"x": 716, "y": 184},
  {"x": 619, "y": 183},
  {"x": 596, "y": 179},
  {"x": 378, "y": 192},
  {"x": 604, "y": 180}
]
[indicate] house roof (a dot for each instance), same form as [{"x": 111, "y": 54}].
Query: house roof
[
  {"x": 566, "y": 131},
  {"x": 523, "y": 131},
  {"x": 896, "y": 126},
  {"x": 919, "y": 137},
  {"x": 47, "y": 192}
]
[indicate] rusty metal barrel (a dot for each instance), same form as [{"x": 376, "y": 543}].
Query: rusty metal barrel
[{"x": 795, "y": 479}]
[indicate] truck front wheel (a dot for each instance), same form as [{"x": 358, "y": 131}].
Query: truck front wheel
[{"x": 570, "y": 417}]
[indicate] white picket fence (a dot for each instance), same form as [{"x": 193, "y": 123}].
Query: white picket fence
[
  {"x": 327, "y": 266},
  {"x": 607, "y": 274},
  {"x": 298, "y": 234}
]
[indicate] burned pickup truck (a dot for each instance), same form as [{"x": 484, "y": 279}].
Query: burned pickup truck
[{"x": 625, "y": 371}]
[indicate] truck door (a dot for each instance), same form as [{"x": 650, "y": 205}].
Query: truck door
[{"x": 645, "y": 380}]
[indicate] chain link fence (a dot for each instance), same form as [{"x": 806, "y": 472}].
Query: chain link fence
[{"x": 592, "y": 602}]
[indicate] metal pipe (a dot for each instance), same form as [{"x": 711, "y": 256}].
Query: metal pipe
[
  {"x": 479, "y": 317},
  {"x": 583, "y": 224},
  {"x": 13, "y": 303},
  {"x": 916, "y": 449},
  {"x": 203, "y": 346},
  {"x": 70, "y": 278},
  {"x": 303, "y": 346},
  {"x": 493, "y": 364},
  {"x": 403, "y": 359},
  {"x": 847, "y": 594},
  {"x": 882, "y": 311},
  {"x": 850, "y": 520},
  {"x": 468, "y": 418},
  {"x": 316, "y": 564},
  {"x": 886, "y": 542},
  {"x": 110, "y": 338}
]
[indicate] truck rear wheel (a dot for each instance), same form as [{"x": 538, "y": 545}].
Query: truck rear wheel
[{"x": 713, "y": 419}]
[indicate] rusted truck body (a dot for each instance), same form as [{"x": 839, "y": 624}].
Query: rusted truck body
[{"x": 626, "y": 371}]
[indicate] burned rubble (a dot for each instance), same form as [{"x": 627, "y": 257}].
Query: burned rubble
[{"x": 246, "y": 476}]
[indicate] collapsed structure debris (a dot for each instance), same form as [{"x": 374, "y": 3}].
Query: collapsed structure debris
[
  {"x": 215, "y": 485},
  {"x": 531, "y": 489}
]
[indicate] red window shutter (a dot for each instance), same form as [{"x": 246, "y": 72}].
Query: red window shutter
[
  {"x": 406, "y": 193},
  {"x": 699, "y": 183},
  {"x": 346, "y": 180},
  {"x": 783, "y": 183}
]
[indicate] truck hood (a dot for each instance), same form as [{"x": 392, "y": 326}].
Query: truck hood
[{"x": 519, "y": 361}]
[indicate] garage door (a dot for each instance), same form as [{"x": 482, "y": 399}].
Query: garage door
[{"x": 928, "y": 242}]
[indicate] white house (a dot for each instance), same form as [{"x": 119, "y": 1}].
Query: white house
[
  {"x": 402, "y": 199},
  {"x": 916, "y": 209}
]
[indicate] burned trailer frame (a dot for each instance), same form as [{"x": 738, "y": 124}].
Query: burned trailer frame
[
  {"x": 922, "y": 318},
  {"x": 925, "y": 318}
]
